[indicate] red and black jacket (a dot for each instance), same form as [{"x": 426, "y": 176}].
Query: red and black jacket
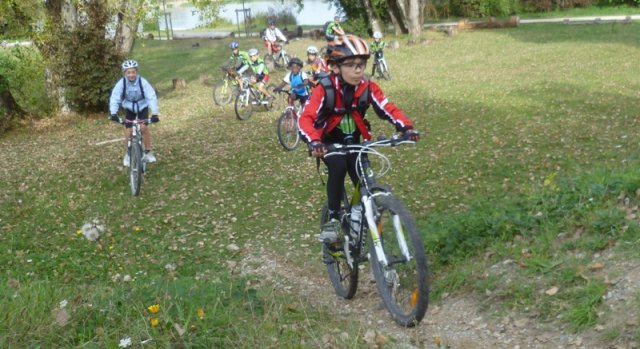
[{"x": 313, "y": 129}]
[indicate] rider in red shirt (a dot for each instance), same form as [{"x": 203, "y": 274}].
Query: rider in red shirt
[{"x": 347, "y": 123}]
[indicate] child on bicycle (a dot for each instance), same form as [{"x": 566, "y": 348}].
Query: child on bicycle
[
  {"x": 271, "y": 36},
  {"x": 333, "y": 29},
  {"x": 346, "y": 122},
  {"x": 238, "y": 58},
  {"x": 298, "y": 80},
  {"x": 136, "y": 96},
  {"x": 260, "y": 72},
  {"x": 318, "y": 66},
  {"x": 377, "y": 46}
]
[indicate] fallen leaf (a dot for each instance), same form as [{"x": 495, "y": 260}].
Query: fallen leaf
[
  {"x": 62, "y": 317},
  {"x": 179, "y": 329},
  {"x": 596, "y": 266},
  {"x": 552, "y": 291}
]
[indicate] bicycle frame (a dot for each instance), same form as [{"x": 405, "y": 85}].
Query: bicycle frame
[{"x": 364, "y": 193}]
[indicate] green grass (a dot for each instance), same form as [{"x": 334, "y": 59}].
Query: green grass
[
  {"x": 528, "y": 154},
  {"x": 585, "y": 11}
]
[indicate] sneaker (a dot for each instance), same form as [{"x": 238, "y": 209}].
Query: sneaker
[
  {"x": 329, "y": 232},
  {"x": 125, "y": 160},
  {"x": 149, "y": 157}
]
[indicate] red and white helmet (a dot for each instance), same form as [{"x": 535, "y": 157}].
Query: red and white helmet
[{"x": 347, "y": 46}]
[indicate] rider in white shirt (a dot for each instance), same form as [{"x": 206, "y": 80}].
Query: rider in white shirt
[{"x": 271, "y": 35}]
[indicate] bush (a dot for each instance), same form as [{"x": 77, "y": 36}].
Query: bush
[
  {"x": 483, "y": 8},
  {"x": 22, "y": 70}
]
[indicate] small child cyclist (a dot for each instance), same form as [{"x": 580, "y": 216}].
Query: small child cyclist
[
  {"x": 346, "y": 122},
  {"x": 318, "y": 66},
  {"x": 298, "y": 80},
  {"x": 260, "y": 71},
  {"x": 136, "y": 96},
  {"x": 376, "y": 48}
]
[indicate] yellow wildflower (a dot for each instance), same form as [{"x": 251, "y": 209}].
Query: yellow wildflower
[
  {"x": 200, "y": 313},
  {"x": 154, "y": 308},
  {"x": 154, "y": 321}
]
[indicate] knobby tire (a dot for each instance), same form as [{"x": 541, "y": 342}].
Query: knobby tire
[
  {"x": 135, "y": 167},
  {"x": 403, "y": 285},
  {"x": 343, "y": 277},
  {"x": 288, "y": 130},
  {"x": 244, "y": 105},
  {"x": 223, "y": 92}
]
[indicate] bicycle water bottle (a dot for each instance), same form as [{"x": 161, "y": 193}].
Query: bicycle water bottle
[{"x": 356, "y": 218}]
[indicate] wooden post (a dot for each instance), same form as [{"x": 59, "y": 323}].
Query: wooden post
[{"x": 179, "y": 84}]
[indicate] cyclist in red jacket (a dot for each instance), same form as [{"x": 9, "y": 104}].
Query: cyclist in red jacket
[{"x": 345, "y": 122}]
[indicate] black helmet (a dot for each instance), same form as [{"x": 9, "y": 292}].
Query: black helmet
[{"x": 295, "y": 60}]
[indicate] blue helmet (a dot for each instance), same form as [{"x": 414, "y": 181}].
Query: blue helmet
[{"x": 234, "y": 45}]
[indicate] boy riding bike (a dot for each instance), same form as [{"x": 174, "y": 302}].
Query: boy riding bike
[
  {"x": 333, "y": 29},
  {"x": 377, "y": 46},
  {"x": 271, "y": 36},
  {"x": 298, "y": 80},
  {"x": 260, "y": 71},
  {"x": 318, "y": 66},
  {"x": 344, "y": 122},
  {"x": 238, "y": 58},
  {"x": 136, "y": 96}
]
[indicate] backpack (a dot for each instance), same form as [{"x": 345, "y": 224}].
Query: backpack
[
  {"x": 124, "y": 89},
  {"x": 329, "y": 103},
  {"x": 327, "y": 36}
]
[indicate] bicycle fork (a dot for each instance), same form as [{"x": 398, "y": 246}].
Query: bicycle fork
[{"x": 376, "y": 236}]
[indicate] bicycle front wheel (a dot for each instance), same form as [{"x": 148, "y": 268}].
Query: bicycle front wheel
[
  {"x": 244, "y": 105},
  {"x": 135, "y": 168},
  {"x": 288, "y": 130},
  {"x": 344, "y": 277},
  {"x": 223, "y": 92},
  {"x": 384, "y": 71},
  {"x": 403, "y": 283}
]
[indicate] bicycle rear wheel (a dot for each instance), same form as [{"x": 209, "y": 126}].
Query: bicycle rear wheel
[
  {"x": 288, "y": 130},
  {"x": 135, "y": 167},
  {"x": 403, "y": 283},
  {"x": 344, "y": 278},
  {"x": 223, "y": 92},
  {"x": 244, "y": 105}
]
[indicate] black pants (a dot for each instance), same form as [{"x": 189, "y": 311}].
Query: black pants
[{"x": 338, "y": 167}]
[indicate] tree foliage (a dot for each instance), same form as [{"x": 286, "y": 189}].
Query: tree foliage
[
  {"x": 82, "y": 62},
  {"x": 18, "y": 17}
]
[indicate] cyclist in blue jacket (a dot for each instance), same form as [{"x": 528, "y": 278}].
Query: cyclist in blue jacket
[
  {"x": 298, "y": 80},
  {"x": 136, "y": 96}
]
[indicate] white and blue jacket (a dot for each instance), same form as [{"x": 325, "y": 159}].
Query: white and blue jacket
[{"x": 138, "y": 94}]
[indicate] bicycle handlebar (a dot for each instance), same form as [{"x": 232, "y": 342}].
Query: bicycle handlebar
[
  {"x": 343, "y": 149},
  {"x": 122, "y": 121}
]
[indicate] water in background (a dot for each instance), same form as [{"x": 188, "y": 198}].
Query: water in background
[{"x": 315, "y": 12}]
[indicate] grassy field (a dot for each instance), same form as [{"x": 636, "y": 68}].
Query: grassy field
[{"x": 528, "y": 155}]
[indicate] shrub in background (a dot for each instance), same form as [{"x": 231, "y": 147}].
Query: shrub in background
[{"x": 22, "y": 70}]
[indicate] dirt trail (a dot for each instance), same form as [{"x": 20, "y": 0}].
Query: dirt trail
[{"x": 455, "y": 322}]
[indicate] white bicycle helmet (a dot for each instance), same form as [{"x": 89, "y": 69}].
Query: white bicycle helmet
[
  {"x": 128, "y": 64},
  {"x": 377, "y": 35},
  {"x": 253, "y": 51},
  {"x": 312, "y": 50}
]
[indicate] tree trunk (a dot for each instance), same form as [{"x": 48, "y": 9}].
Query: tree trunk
[
  {"x": 61, "y": 15},
  {"x": 126, "y": 27},
  {"x": 415, "y": 25},
  {"x": 397, "y": 13},
  {"x": 6, "y": 99},
  {"x": 375, "y": 23}
]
